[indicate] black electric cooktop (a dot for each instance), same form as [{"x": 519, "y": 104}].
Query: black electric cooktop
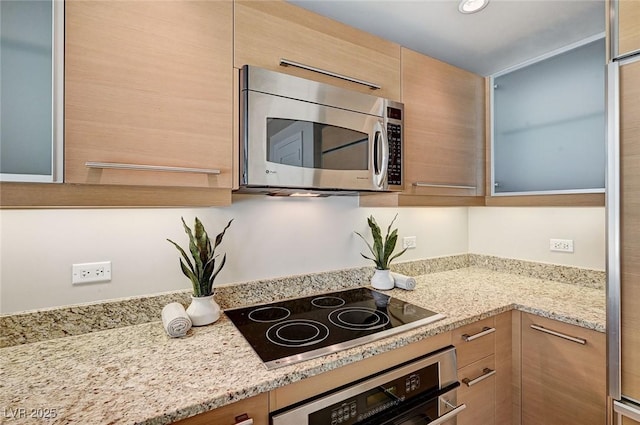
[{"x": 291, "y": 331}]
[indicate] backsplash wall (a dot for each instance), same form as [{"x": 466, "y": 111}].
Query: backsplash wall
[{"x": 270, "y": 237}]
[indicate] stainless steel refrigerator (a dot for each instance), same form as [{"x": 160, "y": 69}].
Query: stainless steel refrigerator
[{"x": 623, "y": 227}]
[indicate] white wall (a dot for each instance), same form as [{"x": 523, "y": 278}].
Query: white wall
[
  {"x": 270, "y": 237},
  {"x": 524, "y": 233}
]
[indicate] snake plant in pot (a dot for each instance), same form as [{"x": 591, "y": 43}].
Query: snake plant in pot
[
  {"x": 201, "y": 271},
  {"x": 382, "y": 251}
]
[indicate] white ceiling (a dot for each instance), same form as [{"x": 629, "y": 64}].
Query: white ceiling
[{"x": 506, "y": 33}]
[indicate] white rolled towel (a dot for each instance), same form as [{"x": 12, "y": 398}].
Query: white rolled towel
[
  {"x": 404, "y": 282},
  {"x": 175, "y": 320}
]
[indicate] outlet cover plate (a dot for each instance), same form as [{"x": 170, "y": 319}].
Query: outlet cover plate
[
  {"x": 561, "y": 245},
  {"x": 91, "y": 272}
]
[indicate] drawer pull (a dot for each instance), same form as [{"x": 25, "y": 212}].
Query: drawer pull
[
  {"x": 483, "y": 332},
  {"x": 286, "y": 62},
  {"x": 141, "y": 167},
  {"x": 449, "y": 415},
  {"x": 486, "y": 372},
  {"x": 243, "y": 419},
  {"x": 443, "y": 186},
  {"x": 558, "y": 334}
]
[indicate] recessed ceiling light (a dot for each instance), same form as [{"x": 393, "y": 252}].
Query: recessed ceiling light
[{"x": 472, "y": 6}]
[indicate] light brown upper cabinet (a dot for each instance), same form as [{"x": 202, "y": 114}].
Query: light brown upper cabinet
[
  {"x": 444, "y": 128},
  {"x": 444, "y": 136},
  {"x": 624, "y": 31},
  {"x": 267, "y": 32},
  {"x": 148, "y": 93}
]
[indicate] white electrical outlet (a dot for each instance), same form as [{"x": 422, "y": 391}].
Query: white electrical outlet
[
  {"x": 561, "y": 245},
  {"x": 409, "y": 242},
  {"x": 91, "y": 272}
]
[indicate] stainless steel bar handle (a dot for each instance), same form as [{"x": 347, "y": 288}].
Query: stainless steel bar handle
[
  {"x": 486, "y": 372},
  {"x": 449, "y": 415},
  {"x": 558, "y": 334},
  {"x": 372, "y": 86},
  {"x": 142, "y": 167},
  {"x": 485, "y": 331},
  {"x": 443, "y": 186}
]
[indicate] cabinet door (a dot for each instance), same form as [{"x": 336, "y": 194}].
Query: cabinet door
[
  {"x": 256, "y": 408},
  {"x": 563, "y": 380},
  {"x": 31, "y": 48},
  {"x": 627, "y": 37},
  {"x": 268, "y": 31},
  {"x": 630, "y": 232},
  {"x": 444, "y": 127},
  {"x": 478, "y": 392},
  {"x": 149, "y": 84}
]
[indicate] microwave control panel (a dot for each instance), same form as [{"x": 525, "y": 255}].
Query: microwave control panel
[{"x": 394, "y": 136}]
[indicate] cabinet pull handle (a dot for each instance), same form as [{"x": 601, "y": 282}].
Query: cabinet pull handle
[
  {"x": 287, "y": 62},
  {"x": 243, "y": 419},
  {"x": 485, "y": 331},
  {"x": 141, "y": 167},
  {"x": 443, "y": 186},
  {"x": 486, "y": 372},
  {"x": 449, "y": 415},
  {"x": 558, "y": 334}
]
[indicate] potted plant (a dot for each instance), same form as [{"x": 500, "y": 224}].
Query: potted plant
[
  {"x": 202, "y": 271},
  {"x": 382, "y": 251}
]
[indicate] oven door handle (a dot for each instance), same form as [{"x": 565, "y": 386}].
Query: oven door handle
[{"x": 449, "y": 415}]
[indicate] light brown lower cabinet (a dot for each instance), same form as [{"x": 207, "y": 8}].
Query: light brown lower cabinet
[
  {"x": 256, "y": 408},
  {"x": 484, "y": 353},
  {"x": 563, "y": 373}
]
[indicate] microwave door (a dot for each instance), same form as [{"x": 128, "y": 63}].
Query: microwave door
[{"x": 293, "y": 144}]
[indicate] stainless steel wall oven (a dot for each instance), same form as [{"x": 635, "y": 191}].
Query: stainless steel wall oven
[{"x": 422, "y": 391}]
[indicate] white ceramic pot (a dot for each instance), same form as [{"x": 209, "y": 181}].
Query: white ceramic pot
[
  {"x": 382, "y": 279},
  {"x": 203, "y": 310}
]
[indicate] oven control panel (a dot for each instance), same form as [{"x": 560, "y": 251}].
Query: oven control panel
[{"x": 376, "y": 400}]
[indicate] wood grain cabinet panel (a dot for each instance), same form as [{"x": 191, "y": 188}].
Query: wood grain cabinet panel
[
  {"x": 149, "y": 83},
  {"x": 257, "y": 408},
  {"x": 563, "y": 381},
  {"x": 627, "y": 421},
  {"x": 268, "y": 31},
  {"x": 630, "y": 226},
  {"x": 480, "y": 397},
  {"x": 474, "y": 341},
  {"x": 628, "y": 26},
  {"x": 444, "y": 127}
]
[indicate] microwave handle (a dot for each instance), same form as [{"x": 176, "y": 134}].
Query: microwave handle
[{"x": 380, "y": 154}]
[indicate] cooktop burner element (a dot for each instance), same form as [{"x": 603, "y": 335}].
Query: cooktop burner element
[
  {"x": 354, "y": 318},
  {"x": 269, "y": 314},
  {"x": 291, "y": 331},
  {"x": 297, "y": 333}
]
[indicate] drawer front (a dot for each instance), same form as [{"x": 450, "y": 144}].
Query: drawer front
[
  {"x": 478, "y": 391},
  {"x": 474, "y": 341},
  {"x": 256, "y": 408}
]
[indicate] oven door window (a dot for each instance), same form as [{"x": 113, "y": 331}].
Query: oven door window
[{"x": 315, "y": 145}]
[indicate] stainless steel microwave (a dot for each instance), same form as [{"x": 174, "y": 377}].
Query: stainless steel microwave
[{"x": 299, "y": 135}]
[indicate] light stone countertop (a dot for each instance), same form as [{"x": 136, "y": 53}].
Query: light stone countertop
[{"x": 137, "y": 374}]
